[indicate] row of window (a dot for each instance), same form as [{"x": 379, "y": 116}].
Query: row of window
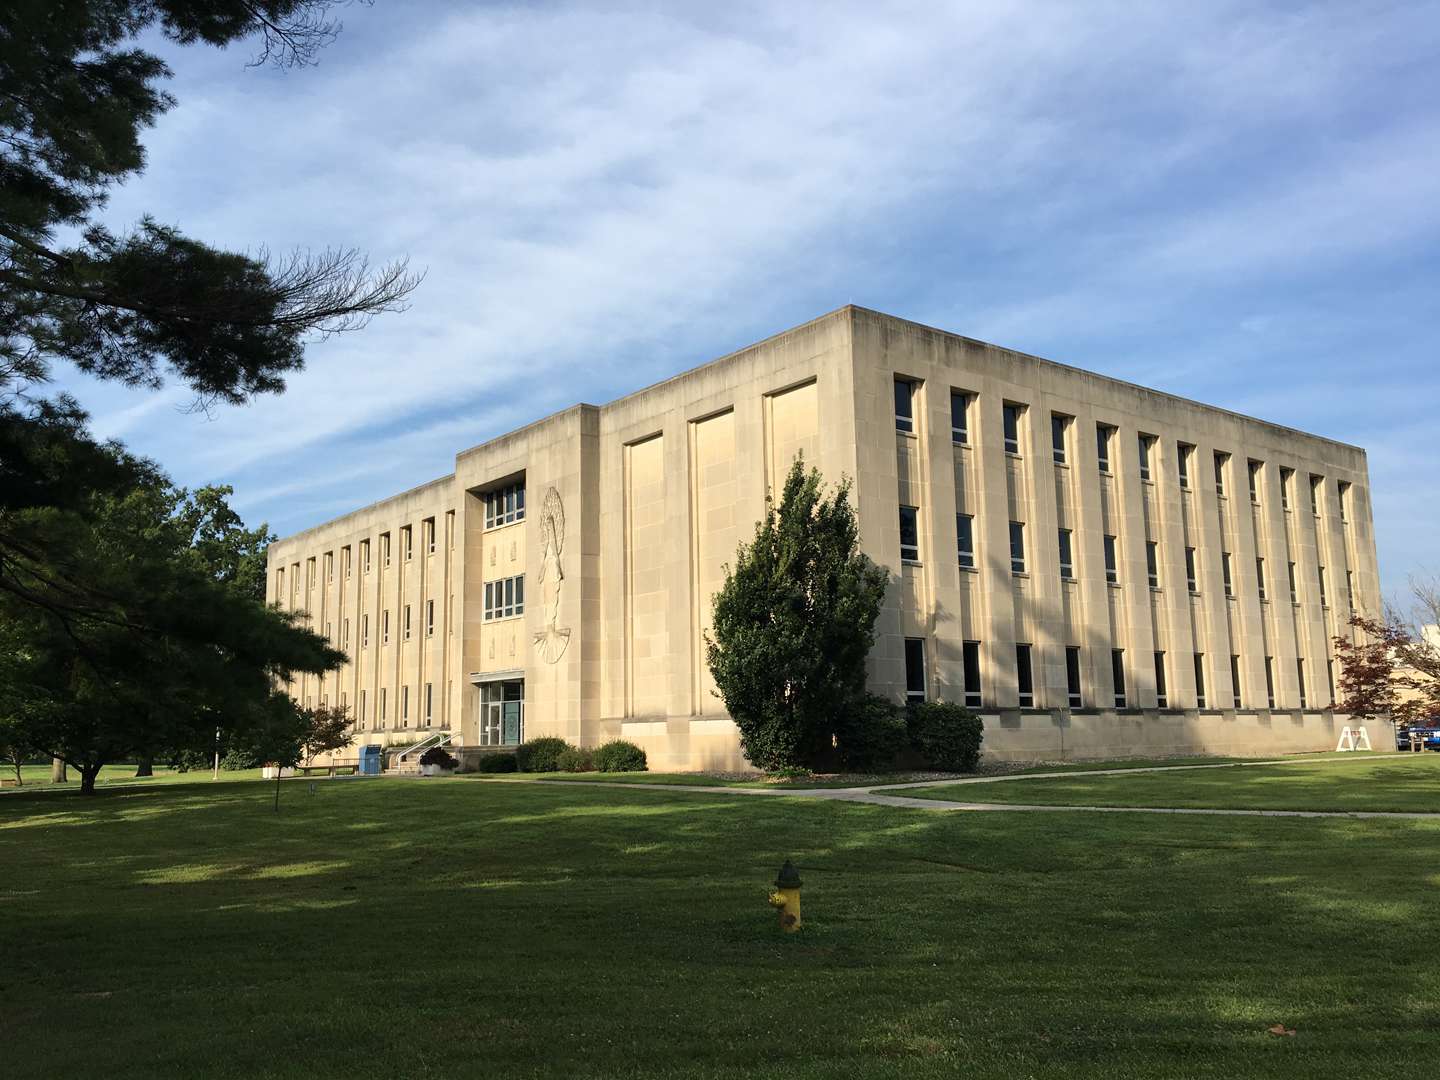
[
  {"x": 505, "y": 598},
  {"x": 961, "y": 403},
  {"x": 405, "y": 626},
  {"x": 915, "y": 677},
  {"x": 965, "y": 553},
  {"x": 382, "y": 718}
]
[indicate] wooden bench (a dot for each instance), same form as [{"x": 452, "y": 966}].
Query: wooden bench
[{"x": 335, "y": 768}]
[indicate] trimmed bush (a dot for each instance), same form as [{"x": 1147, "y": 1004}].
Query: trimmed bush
[
  {"x": 620, "y": 756},
  {"x": 438, "y": 755},
  {"x": 540, "y": 755},
  {"x": 238, "y": 759},
  {"x": 871, "y": 734},
  {"x": 946, "y": 736},
  {"x": 494, "y": 763},
  {"x": 574, "y": 759}
]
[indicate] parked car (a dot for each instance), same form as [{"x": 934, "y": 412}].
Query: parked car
[{"x": 1418, "y": 737}]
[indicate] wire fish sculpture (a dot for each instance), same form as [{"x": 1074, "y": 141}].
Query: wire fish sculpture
[{"x": 551, "y": 642}]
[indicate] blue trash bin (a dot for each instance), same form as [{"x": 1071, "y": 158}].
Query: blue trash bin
[{"x": 371, "y": 760}]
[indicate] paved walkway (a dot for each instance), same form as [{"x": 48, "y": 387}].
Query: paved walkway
[{"x": 876, "y": 794}]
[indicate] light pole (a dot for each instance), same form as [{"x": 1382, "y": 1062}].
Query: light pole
[{"x": 216, "y": 774}]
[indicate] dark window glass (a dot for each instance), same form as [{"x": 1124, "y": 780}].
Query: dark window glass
[
  {"x": 1057, "y": 436},
  {"x": 1225, "y": 572},
  {"x": 1012, "y": 428},
  {"x": 1162, "y": 696},
  {"x": 1146, "y": 442},
  {"x": 1152, "y": 563},
  {"x": 1235, "y": 679},
  {"x": 909, "y": 533},
  {"x": 1117, "y": 675},
  {"x": 904, "y": 405},
  {"x": 1220, "y": 462},
  {"x": 1072, "y": 675},
  {"x": 1067, "y": 562},
  {"x": 1300, "y": 680},
  {"x": 959, "y": 417},
  {"x": 1102, "y": 446},
  {"x": 1200, "y": 680},
  {"x": 915, "y": 669},
  {"x": 971, "y": 651},
  {"x": 965, "y": 539},
  {"x": 1260, "y": 576},
  {"x": 1269, "y": 683},
  {"x": 1255, "y": 467},
  {"x": 1024, "y": 678},
  {"x": 1290, "y": 575},
  {"x": 1190, "y": 581},
  {"x": 1183, "y": 463},
  {"x": 1112, "y": 571},
  {"x": 1017, "y": 547}
]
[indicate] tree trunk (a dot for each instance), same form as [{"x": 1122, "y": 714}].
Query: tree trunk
[
  {"x": 88, "y": 773},
  {"x": 57, "y": 771},
  {"x": 19, "y": 777},
  {"x": 278, "y": 770},
  {"x": 146, "y": 766}
]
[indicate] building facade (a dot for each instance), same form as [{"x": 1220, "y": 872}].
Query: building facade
[{"x": 1097, "y": 568}]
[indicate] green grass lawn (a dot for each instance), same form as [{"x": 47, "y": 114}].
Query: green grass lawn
[
  {"x": 34, "y": 776},
  {"x": 1338, "y": 782},
  {"x": 381, "y": 928}
]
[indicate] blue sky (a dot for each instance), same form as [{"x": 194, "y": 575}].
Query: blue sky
[{"x": 1239, "y": 203}]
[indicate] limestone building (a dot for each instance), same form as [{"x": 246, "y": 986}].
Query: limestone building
[{"x": 1098, "y": 568}]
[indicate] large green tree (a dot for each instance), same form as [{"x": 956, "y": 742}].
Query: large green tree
[
  {"x": 793, "y": 624},
  {"x": 76, "y": 93},
  {"x": 158, "y": 649}
]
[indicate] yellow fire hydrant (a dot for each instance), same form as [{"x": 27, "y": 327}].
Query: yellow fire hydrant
[{"x": 786, "y": 897}]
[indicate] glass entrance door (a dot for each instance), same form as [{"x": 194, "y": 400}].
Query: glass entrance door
[{"x": 502, "y": 713}]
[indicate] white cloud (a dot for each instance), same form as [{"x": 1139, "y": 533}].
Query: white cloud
[{"x": 603, "y": 196}]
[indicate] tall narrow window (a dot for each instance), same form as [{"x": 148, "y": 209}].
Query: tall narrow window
[
  {"x": 407, "y": 544},
  {"x": 1072, "y": 676},
  {"x": 1221, "y": 461},
  {"x": 384, "y": 707},
  {"x": 1315, "y": 484},
  {"x": 405, "y": 705},
  {"x": 1191, "y": 582},
  {"x": 429, "y": 525},
  {"x": 504, "y": 505},
  {"x": 1287, "y": 481},
  {"x": 904, "y": 405},
  {"x": 914, "y": 669},
  {"x": 1024, "y": 677},
  {"x": 1117, "y": 675},
  {"x": 429, "y": 618},
  {"x": 971, "y": 652},
  {"x": 1184, "y": 451},
  {"x": 1225, "y": 572},
  {"x": 1330, "y": 678},
  {"x": 1112, "y": 570},
  {"x": 1320, "y": 576},
  {"x": 1102, "y": 446},
  {"x": 345, "y": 562},
  {"x": 364, "y": 631},
  {"x": 1290, "y": 575},
  {"x": 1017, "y": 547},
  {"x": 960, "y": 417},
  {"x": 1300, "y": 679},
  {"x": 1067, "y": 561},
  {"x": 1255, "y": 467},
  {"x": 965, "y": 540},
  {"x": 1269, "y": 682},
  {"x": 1058, "y": 427},
  {"x": 909, "y": 534},
  {"x": 1152, "y": 563},
  {"x": 1260, "y": 576},
  {"x": 429, "y": 704},
  {"x": 385, "y": 627},
  {"x": 1344, "y": 492},
  {"x": 384, "y": 550},
  {"x": 1147, "y": 446},
  {"x": 344, "y": 633},
  {"x": 1350, "y": 590},
  {"x": 360, "y": 717},
  {"x": 1200, "y": 680},
  {"x": 1162, "y": 693},
  {"x": 405, "y": 624},
  {"x": 1012, "y": 428},
  {"x": 1235, "y": 680},
  {"x": 364, "y": 556}
]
